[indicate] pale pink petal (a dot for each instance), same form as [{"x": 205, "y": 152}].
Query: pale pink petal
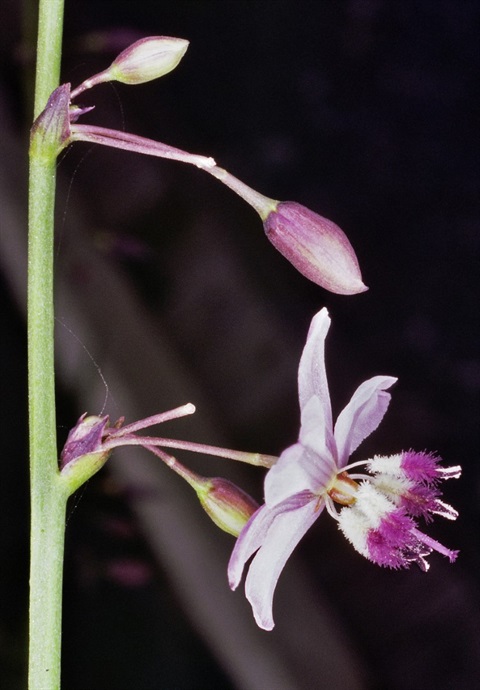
[
  {"x": 287, "y": 477},
  {"x": 315, "y": 431},
  {"x": 255, "y": 532},
  {"x": 249, "y": 541},
  {"x": 297, "y": 470},
  {"x": 312, "y": 377},
  {"x": 284, "y": 534},
  {"x": 362, "y": 415}
]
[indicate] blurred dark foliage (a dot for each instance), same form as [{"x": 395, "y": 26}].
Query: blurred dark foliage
[{"x": 363, "y": 111}]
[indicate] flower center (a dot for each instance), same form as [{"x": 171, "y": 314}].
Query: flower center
[{"x": 343, "y": 489}]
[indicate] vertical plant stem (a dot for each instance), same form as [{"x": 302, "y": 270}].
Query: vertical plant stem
[
  {"x": 49, "y": 50},
  {"x": 48, "y": 495}
]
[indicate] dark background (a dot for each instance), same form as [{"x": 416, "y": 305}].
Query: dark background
[{"x": 364, "y": 112}]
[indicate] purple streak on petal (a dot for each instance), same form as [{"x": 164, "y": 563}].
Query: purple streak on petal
[
  {"x": 312, "y": 377},
  {"x": 362, "y": 415},
  {"x": 283, "y": 535}
]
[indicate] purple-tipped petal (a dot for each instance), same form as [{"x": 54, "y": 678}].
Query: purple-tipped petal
[{"x": 362, "y": 415}]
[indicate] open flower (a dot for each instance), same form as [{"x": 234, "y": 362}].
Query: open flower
[{"x": 378, "y": 514}]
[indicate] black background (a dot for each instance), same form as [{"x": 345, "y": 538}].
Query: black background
[{"x": 365, "y": 112}]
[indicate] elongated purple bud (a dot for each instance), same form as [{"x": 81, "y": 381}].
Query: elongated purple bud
[{"x": 316, "y": 246}]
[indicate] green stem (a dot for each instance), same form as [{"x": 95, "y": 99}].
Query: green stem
[
  {"x": 49, "y": 50},
  {"x": 48, "y": 494}
]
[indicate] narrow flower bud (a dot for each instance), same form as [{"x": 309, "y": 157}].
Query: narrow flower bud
[
  {"x": 317, "y": 247},
  {"x": 145, "y": 60},
  {"x": 51, "y": 130},
  {"x": 228, "y": 506}
]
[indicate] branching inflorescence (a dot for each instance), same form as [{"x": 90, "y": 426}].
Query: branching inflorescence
[{"x": 377, "y": 509}]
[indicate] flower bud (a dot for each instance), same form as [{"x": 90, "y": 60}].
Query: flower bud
[
  {"x": 147, "y": 59},
  {"x": 317, "y": 247},
  {"x": 50, "y": 132},
  {"x": 83, "y": 454},
  {"x": 314, "y": 245},
  {"x": 228, "y": 506}
]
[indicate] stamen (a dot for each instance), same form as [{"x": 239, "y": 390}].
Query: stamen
[
  {"x": 435, "y": 545},
  {"x": 330, "y": 506},
  {"x": 343, "y": 489},
  {"x": 176, "y": 413}
]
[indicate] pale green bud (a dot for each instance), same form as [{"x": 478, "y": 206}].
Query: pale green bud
[
  {"x": 227, "y": 505},
  {"x": 147, "y": 59}
]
